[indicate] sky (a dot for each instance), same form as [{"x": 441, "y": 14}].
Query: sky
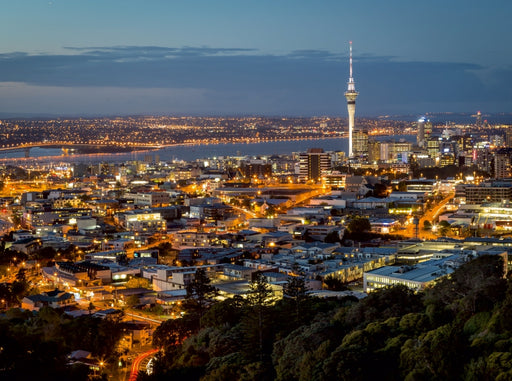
[{"x": 244, "y": 57}]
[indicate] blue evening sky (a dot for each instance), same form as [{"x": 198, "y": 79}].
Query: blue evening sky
[{"x": 279, "y": 57}]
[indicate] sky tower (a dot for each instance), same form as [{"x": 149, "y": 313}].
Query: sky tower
[{"x": 351, "y": 95}]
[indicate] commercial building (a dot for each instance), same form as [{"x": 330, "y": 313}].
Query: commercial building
[
  {"x": 256, "y": 168},
  {"x": 416, "y": 277},
  {"x": 360, "y": 143},
  {"x": 395, "y": 151},
  {"x": 313, "y": 164},
  {"x": 150, "y": 199},
  {"x": 503, "y": 163},
  {"x": 496, "y": 191},
  {"x": 142, "y": 221}
]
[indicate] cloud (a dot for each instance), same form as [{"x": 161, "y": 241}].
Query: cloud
[
  {"x": 112, "y": 52},
  {"x": 25, "y": 98},
  {"x": 240, "y": 80}
]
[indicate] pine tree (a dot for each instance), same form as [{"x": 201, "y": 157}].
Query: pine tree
[
  {"x": 200, "y": 294},
  {"x": 296, "y": 290},
  {"x": 259, "y": 298}
]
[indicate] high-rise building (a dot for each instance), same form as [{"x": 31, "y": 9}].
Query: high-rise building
[
  {"x": 503, "y": 163},
  {"x": 374, "y": 151},
  {"x": 351, "y": 95},
  {"x": 508, "y": 137},
  {"x": 256, "y": 168},
  {"x": 478, "y": 121},
  {"x": 428, "y": 129},
  {"x": 433, "y": 147},
  {"x": 360, "y": 143},
  {"x": 446, "y": 159},
  {"x": 392, "y": 152},
  {"x": 313, "y": 164},
  {"x": 424, "y": 132},
  {"x": 483, "y": 158},
  {"x": 464, "y": 143},
  {"x": 420, "y": 136}
]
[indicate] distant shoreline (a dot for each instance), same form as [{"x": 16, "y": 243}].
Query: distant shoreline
[
  {"x": 95, "y": 148},
  {"x": 114, "y": 153}
]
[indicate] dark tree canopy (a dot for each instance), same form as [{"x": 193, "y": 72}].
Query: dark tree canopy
[
  {"x": 200, "y": 294},
  {"x": 359, "y": 225}
]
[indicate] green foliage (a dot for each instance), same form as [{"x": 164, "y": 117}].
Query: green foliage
[
  {"x": 359, "y": 225},
  {"x": 172, "y": 332},
  {"x": 138, "y": 282},
  {"x": 299, "y": 354},
  {"x": 296, "y": 291},
  {"x": 200, "y": 294},
  {"x": 225, "y": 313},
  {"x": 165, "y": 249},
  {"x": 132, "y": 300},
  {"x": 257, "y": 319},
  {"x": 46, "y": 253},
  {"x": 472, "y": 288},
  {"x": 476, "y": 323},
  {"x": 335, "y": 284},
  {"x": 224, "y": 368},
  {"x": 458, "y": 330},
  {"x": 444, "y": 224},
  {"x": 427, "y": 354},
  {"x": 19, "y": 288},
  {"x": 34, "y": 346},
  {"x": 389, "y": 302},
  {"x": 332, "y": 237},
  {"x": 380, "y": 190}
]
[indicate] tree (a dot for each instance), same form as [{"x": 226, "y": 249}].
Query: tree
[
  {"x": 297, "y": 291},
  {"x": 359, "y": 225},
  {"x": 259, "y": 298},
  {"x": 246, "y": 203},
  {"x": 392, "y": 301},
  {"x": 16, "y": 219},
  {"x": 474, "y": 287},
  {"x": 6, "y": 295},
  {"x": 334, "y": 283},
  {"x": 402, "y": 186},
  {"x": 71, "y": 253},
  {"x": 427, "y": 357},
  {"x": 164, "y": 248},
  {"x": 132, "y": 300},
  {"x": 138, "y": 282},
  {"x": 444, "y": 227},
  {"x": 20, "y": 286},
  {"x": 332, "y": 237},
  {"x": 21, "y": 276},
  {"x": 380, "y": 190},
  {"x": 47, "y": 252},
  {"x": 225, "y": 313},
  {"x": 171, "y": 333},
  {"x": 200, "y": 294},
  {"x": 270, "y": 211}
]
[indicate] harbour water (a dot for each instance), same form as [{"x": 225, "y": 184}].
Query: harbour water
[{"x": 189, "y": 152}]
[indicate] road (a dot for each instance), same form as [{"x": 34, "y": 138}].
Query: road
[
  {"x": 131, "y": 250},
  {"x": 136, "y": 365},
  {"x": 429, "y": 215},
  {"x": 154, "y": 320}
]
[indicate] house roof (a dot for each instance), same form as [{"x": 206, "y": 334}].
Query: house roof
[{"x": 50, "y": 296}]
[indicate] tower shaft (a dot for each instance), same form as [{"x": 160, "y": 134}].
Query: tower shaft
[{"x": 351, "y": 95}]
